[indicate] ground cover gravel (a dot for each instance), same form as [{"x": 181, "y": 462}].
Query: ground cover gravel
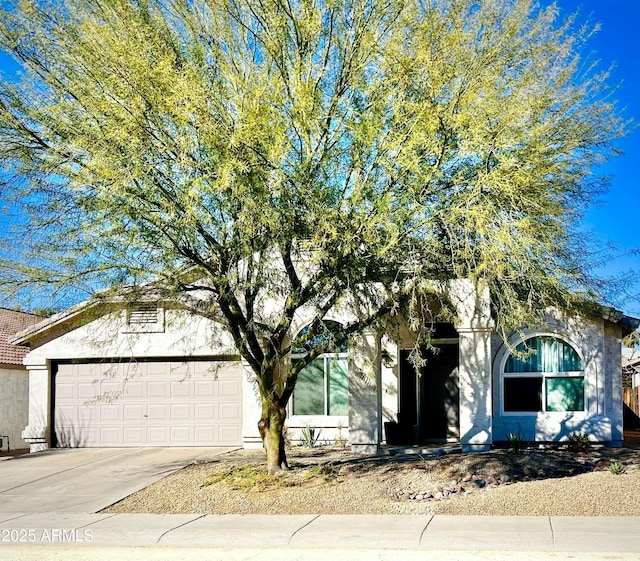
[{"x": 328, "y": 480}]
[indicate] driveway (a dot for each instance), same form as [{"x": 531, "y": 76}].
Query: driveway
[{"x": 88, "y": 479}]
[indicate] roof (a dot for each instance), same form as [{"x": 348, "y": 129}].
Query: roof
[{"x": 12, "y": 321}]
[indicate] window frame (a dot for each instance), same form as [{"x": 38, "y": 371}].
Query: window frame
[
  {"x": 556, "y": 374},
  {"x": 325, "y": 388}
]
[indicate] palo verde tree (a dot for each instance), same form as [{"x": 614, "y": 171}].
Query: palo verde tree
[{"x": 275, "y": 156}]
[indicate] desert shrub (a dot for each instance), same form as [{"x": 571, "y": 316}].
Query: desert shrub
[
  {"x": 516, "y": 441},
  {"x": 578, "y": 442},
  {"x": 616, "y": 468}
]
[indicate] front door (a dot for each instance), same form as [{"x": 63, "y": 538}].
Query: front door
[{"x": 429, "y": 399}]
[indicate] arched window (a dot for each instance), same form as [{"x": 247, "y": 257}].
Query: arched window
[
  {"x": 322, "y": 387},
  {"x": 544, "y": 374}
]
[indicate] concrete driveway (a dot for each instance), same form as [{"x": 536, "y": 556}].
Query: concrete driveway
[{"x": 88, "y": 479}]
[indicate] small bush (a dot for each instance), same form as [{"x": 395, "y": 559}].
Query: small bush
[
  {"x": 516, "y": 441},
  {"x": 310, "y": 436},
  {"x": 578, "y": 442},
  {"x": 616, "y": 468},
  {"x": 246, "y": 478},
  {"x": 327, "y": 471},
  {"x": 340, "y": 440}
]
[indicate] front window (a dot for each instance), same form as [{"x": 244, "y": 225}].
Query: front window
[
  {"x": 544, "y": 374},
  {"x": 322, "y": 387}
]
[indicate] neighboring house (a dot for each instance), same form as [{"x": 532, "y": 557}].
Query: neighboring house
[
  {"x": 153, "y": 375},
  {"x": 631, "y": 378},
  {"x": 14, "y": 381}
]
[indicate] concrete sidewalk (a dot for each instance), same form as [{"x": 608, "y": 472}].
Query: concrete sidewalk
[{"x": 326, "y": 532}]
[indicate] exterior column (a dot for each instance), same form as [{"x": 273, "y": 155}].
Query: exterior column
[
  {"x": 251, "y": 408},
  {"x": 475, "y": 390},
  {"x": 365, "y": 418},
  {"x": 475, "y": 326},
  {"x": 38, "y": 432}
]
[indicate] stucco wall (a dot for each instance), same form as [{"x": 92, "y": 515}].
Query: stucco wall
[
  {"x": 595, "y": 340},
  {"x": 109, "y": 336},
  {"x": 14, "y": 406}
]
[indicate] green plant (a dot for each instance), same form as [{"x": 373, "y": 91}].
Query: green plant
[
  {"x": 247, "y": 478},
  {"x": 340, "y": 440},
  {"x": 516, "y": 441},
  {"x": 616, "y": 468},
  {"x": 578, "y": 442},
  {"x": 310, "y": 436},
  {"x": 327, "y": 471}
]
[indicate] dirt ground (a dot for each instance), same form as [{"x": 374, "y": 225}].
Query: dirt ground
[{"x": 329, "y": 480}]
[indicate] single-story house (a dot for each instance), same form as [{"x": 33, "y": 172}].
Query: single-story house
[
  {"x": 152, "y": 374},
  {"x": 14, "y": 381}
]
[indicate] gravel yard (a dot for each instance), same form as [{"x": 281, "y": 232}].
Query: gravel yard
[{"x": 329, "y": 480}]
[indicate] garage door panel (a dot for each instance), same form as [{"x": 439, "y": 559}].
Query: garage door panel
[
  {"x": 205, "y": 388},
  {"x": 88, "y": 413},
  {"x": 229, "y": 411},
  {"x": 111, "y": 413},
  {"x": 158, "y": 412},
  {"x": 229, "y": 388},
  {"x": 154, "y": 403},
  {"x": 157, "y": 389},
  {"x": 133, "y": 411},
  {"x": 67, "y": 390},
  {"x": 87, "y": 391},
  {"x": 110, "y": 436},
  {"x": 134, "y": 389},
  {"x": 182, "y": 388},
  {"x": 228, "y": 434},
  {"x": 158, "y": 436},
  {"x": 206, "y": 412},
  {"x": 181, "y": 436},
  {"x": 133, "y": 436},
  {"x": 181, "y": 411}
]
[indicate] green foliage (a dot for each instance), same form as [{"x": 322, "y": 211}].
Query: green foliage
[
  {"x": 617, "y": 468},
  {"x": 246, "y": 478},
  {"x": 578, "y": 442},
  {"x": 326, "y": 471},
  {"x": 323, "y": 153},
  {"x": 310, "y": 436},
  {"x": 516, "y": 441}
]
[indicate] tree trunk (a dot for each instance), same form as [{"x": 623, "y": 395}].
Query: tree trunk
[{"x": 271, "y": 427}]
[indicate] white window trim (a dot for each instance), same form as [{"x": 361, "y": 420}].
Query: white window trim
[{"x": 569, "y": 374}]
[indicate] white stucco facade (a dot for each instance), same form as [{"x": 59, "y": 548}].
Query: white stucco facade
[
  {"x": 374, "y": 372},
  {"x": 597, "y": 342}
]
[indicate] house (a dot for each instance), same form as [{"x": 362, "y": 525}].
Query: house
[
  {"x": 14, "y": 381},
  {"x": 631, "y": 379},
  {"x": 151, "y": 374}
]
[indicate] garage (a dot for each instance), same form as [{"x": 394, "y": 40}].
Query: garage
[{"x": 169, "y": 402}]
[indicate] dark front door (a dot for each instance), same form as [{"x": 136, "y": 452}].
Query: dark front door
[{"x": 429, "y": 399}]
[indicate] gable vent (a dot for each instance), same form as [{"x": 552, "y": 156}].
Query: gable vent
[{"x": 143, "y": 314}]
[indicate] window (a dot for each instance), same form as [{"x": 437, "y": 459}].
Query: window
[
  {"x": 322, "y": 387},
  {"x": 550, "y": 377}
]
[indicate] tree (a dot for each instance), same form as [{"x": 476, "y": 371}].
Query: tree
[{"x": 287, "y": 155}]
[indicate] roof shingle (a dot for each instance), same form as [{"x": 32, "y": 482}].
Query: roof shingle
[{"x": 12, "y": 321}]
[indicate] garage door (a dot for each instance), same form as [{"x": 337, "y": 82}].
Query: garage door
[{"x": 148, "y": 403}]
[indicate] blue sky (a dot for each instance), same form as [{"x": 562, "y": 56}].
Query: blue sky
[{"x": 616, "y": 217}]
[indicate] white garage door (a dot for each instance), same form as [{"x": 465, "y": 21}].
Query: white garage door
[{"x": 149, "y": 403}]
